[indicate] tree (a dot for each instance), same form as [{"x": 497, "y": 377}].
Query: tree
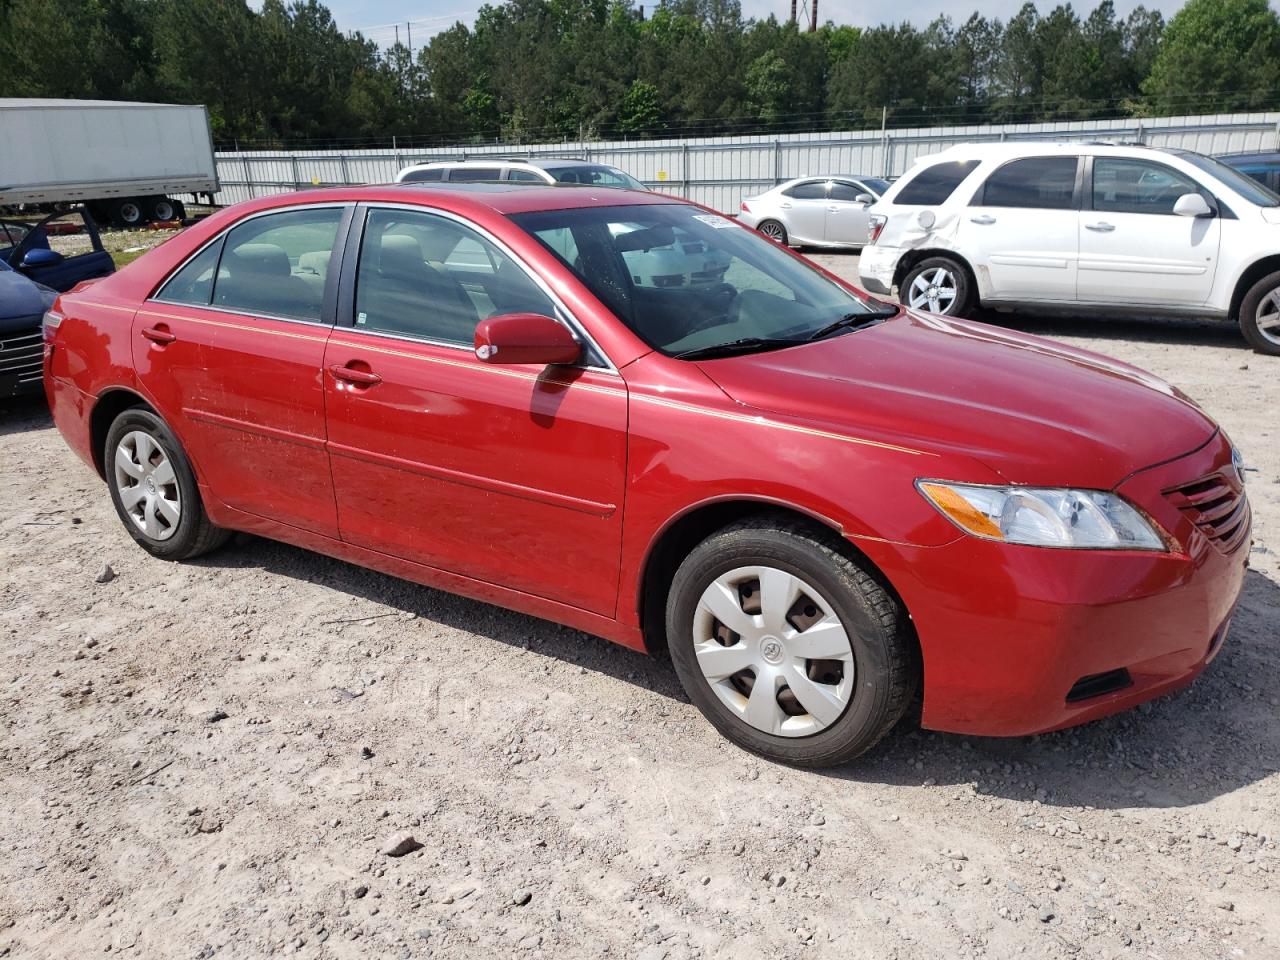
[
  {"x": 641, "y": 109},
  {"x": 1217, "y": 55}
]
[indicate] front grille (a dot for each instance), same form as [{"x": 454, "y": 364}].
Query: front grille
[
  {"x": 21, "y": 359},
  {"x": 1216, "y": 504}
]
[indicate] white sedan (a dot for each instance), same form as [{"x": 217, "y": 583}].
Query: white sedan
[{"x": 815, "y": 211}]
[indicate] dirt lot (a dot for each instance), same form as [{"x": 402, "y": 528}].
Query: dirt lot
[{"x": 205, "y": 760}]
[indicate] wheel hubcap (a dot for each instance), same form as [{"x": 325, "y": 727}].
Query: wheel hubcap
[
  {"x": 934, "y": 290},
  {"x": 772, "y": 231},
  {"x": 773, "y": 650},
  {"x": 147, "y": 485},
  {"x": 1268, "y": 316}
]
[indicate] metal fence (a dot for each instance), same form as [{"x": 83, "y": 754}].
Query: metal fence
[{"x": 720, "y": 171}]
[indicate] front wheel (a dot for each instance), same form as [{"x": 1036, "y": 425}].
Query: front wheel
[
  {"x": 938, "y": 285},
  {"x": 154, "y": 488},
  {"x": 786, "y": 645},
  {"x": 1260, "y": 315}
]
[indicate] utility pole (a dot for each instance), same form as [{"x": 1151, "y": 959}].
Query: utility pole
[
  {"x": 397, "y": 34},
  {"x": 793, "y": 11},
  {"x": 813, "y": 23},
  {"x": 408, "y": 29}
]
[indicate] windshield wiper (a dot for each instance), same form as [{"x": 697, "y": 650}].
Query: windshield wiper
[
  {"x": 853, "y": 320},
  {"x": 745, "y": 345}
]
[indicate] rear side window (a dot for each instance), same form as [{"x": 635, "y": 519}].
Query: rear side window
[
  {"x": 431, "y": 173},
  {"x": 813, "y": 190},
  {"x": 193, "y": 284},
  {"x": 474, "y": 173},
  {"x": 276, "y": 265},
  {"x": 1045, "y": 183},
  {"x": 934, "y": 184},
  {"x": 525, "y": 176}
]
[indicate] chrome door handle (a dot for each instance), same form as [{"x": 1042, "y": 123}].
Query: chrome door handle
[
  {"x": 1100, "y": 227},
  {"x": 785, "y": 206},
  {"x": 984, "y": 219},
  {"x": 365, "y": 378}
]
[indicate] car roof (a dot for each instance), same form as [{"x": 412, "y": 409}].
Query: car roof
[
  {"x": 542, "y": 163},
  {"x": 506, "y": 197},
  {"x": 1034, "y": 148},
  {"x": 1261, "y": 155}
]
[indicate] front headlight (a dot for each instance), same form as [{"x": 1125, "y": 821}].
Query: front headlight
[{"x": 1044, "y": 517}]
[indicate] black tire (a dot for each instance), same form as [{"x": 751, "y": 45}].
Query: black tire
[
  {"x": 181, "y": 209},
  {"x": 1264, "y": 294},
  {"x": 128, "y": 212},
  {"x": 958, "y": 276},
  {"x": 161, "y": 208},
  {"x": 193, "y": 534},
  {"x": 885, "y": 654},
  {"x": 774, "y": 230}
]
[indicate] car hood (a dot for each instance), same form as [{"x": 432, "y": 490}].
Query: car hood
[
  {"x": 21, "y": 299},
  {"x": 1034, "y": 411}
]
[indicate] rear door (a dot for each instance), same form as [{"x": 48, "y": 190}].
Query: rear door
[
  {"x": 512, "y": 475},
  {"x": 804, "y": 211},
  {"x": 1021, "y": 229},
  {"x": 61, "y": 250},
  {"x": 230, "y": 349},
  {"x": 847, "y": 219},
  {"x": 1133, "y": 248}
]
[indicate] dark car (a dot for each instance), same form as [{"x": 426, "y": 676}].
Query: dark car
[
  {"x": 32, "y": 274},
  {"x": 1263, "y": 167}
]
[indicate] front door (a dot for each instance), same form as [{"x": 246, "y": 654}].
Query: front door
[
  {"x": 52, "y": 251},
  {"x": 231, "y": 348},
  {"x": 804, "y": 211},
  {"x": 511, "y": 475},
  {"x": 847, "y": 219},
  {"x": 1133, "y": 248},
  {"x": 1021, "y": 230}
]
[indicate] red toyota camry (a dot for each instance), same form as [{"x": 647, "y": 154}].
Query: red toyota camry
[{"x": 633, "y": 416}]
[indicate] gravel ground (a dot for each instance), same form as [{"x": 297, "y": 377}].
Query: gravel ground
[{"x": 210, "y": 759}]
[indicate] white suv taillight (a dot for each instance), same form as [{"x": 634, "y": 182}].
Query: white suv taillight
[{"x": 875, "y": 224}]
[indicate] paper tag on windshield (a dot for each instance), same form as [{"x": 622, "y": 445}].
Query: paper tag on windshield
[{"x": 720, "y": 223}]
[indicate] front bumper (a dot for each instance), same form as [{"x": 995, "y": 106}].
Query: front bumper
[
  {"x": 1021, "y": 640},
  {"x": 876, "y": 265},
  {"x": 21, "y": 361}
]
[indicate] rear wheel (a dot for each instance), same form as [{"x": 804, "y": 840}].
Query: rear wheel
[
  {"x": 774, "y": 230},
  {"x": 127, "y": 213},
  {"x": 154, "y": 488},
  {"x": 161, "y": 209},
  {"x": 786, "y": 645},
  {"x": 938, "y": 285},
  {"x": 1260, "y": 315}
]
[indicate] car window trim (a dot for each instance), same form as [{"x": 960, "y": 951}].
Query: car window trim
[
  {"x": 1220, "y": 209},
  {"x": 328, "y": 305},
  {"x": 980, "y": 194},
  {"x": 346, "y": 299}
]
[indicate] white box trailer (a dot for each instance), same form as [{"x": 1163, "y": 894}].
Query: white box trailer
[{"x": 125, "y": 161}]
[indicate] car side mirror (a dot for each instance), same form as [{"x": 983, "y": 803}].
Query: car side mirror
[
  {"x": 526, "y": 338},
  {"x": 41, "y": 258},
  {"x": 865, "y": 199},
  {"x": 1192, "y": 205}
]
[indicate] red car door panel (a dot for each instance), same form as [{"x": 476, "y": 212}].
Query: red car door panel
[{"x": 509, "y": 475}]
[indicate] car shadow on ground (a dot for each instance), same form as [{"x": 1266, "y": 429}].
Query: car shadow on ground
[
  {"x": 24, "y": 414},
  {"x": 1180, "y": 330},
  {"x": 1184, "y": 749}
]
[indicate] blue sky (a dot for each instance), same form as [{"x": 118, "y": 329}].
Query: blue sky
[{"x": 375, "y": 18}]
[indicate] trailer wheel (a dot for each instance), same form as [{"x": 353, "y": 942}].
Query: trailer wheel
[
  {"x": 127, "y": 213},
  {"x": 161, "y": 208}
]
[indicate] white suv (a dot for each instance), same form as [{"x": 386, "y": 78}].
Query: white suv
[
  {"x": 523, "y": 169},
  {"x": 1082, "y": 226}
]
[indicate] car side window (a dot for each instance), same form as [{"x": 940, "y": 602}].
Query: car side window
[
  {"x": 431, "y": 173},
  {"x": 430, "y": 277},
  {"x": 1122, "y": 185},
  {"x": 846, "y": 191},
  {"x": 813, "y": 190},
  {"x": 193, "y": 284},
  {"x": 934, "y": 184},
  {"x": 524, "y": 176},
  {"x": 1042, "y": 183},
  {"x": 458, "y": 174},
  {"x": 276, "y": 264}
]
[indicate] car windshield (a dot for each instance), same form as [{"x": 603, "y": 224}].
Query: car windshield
[
  {"x": 687, "y": 281},
  {"x": 1241, "y": 183},
  {"x": 598, "y": 174}
]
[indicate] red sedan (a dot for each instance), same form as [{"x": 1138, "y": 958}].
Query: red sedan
[{"x": 633, "y": 416}]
